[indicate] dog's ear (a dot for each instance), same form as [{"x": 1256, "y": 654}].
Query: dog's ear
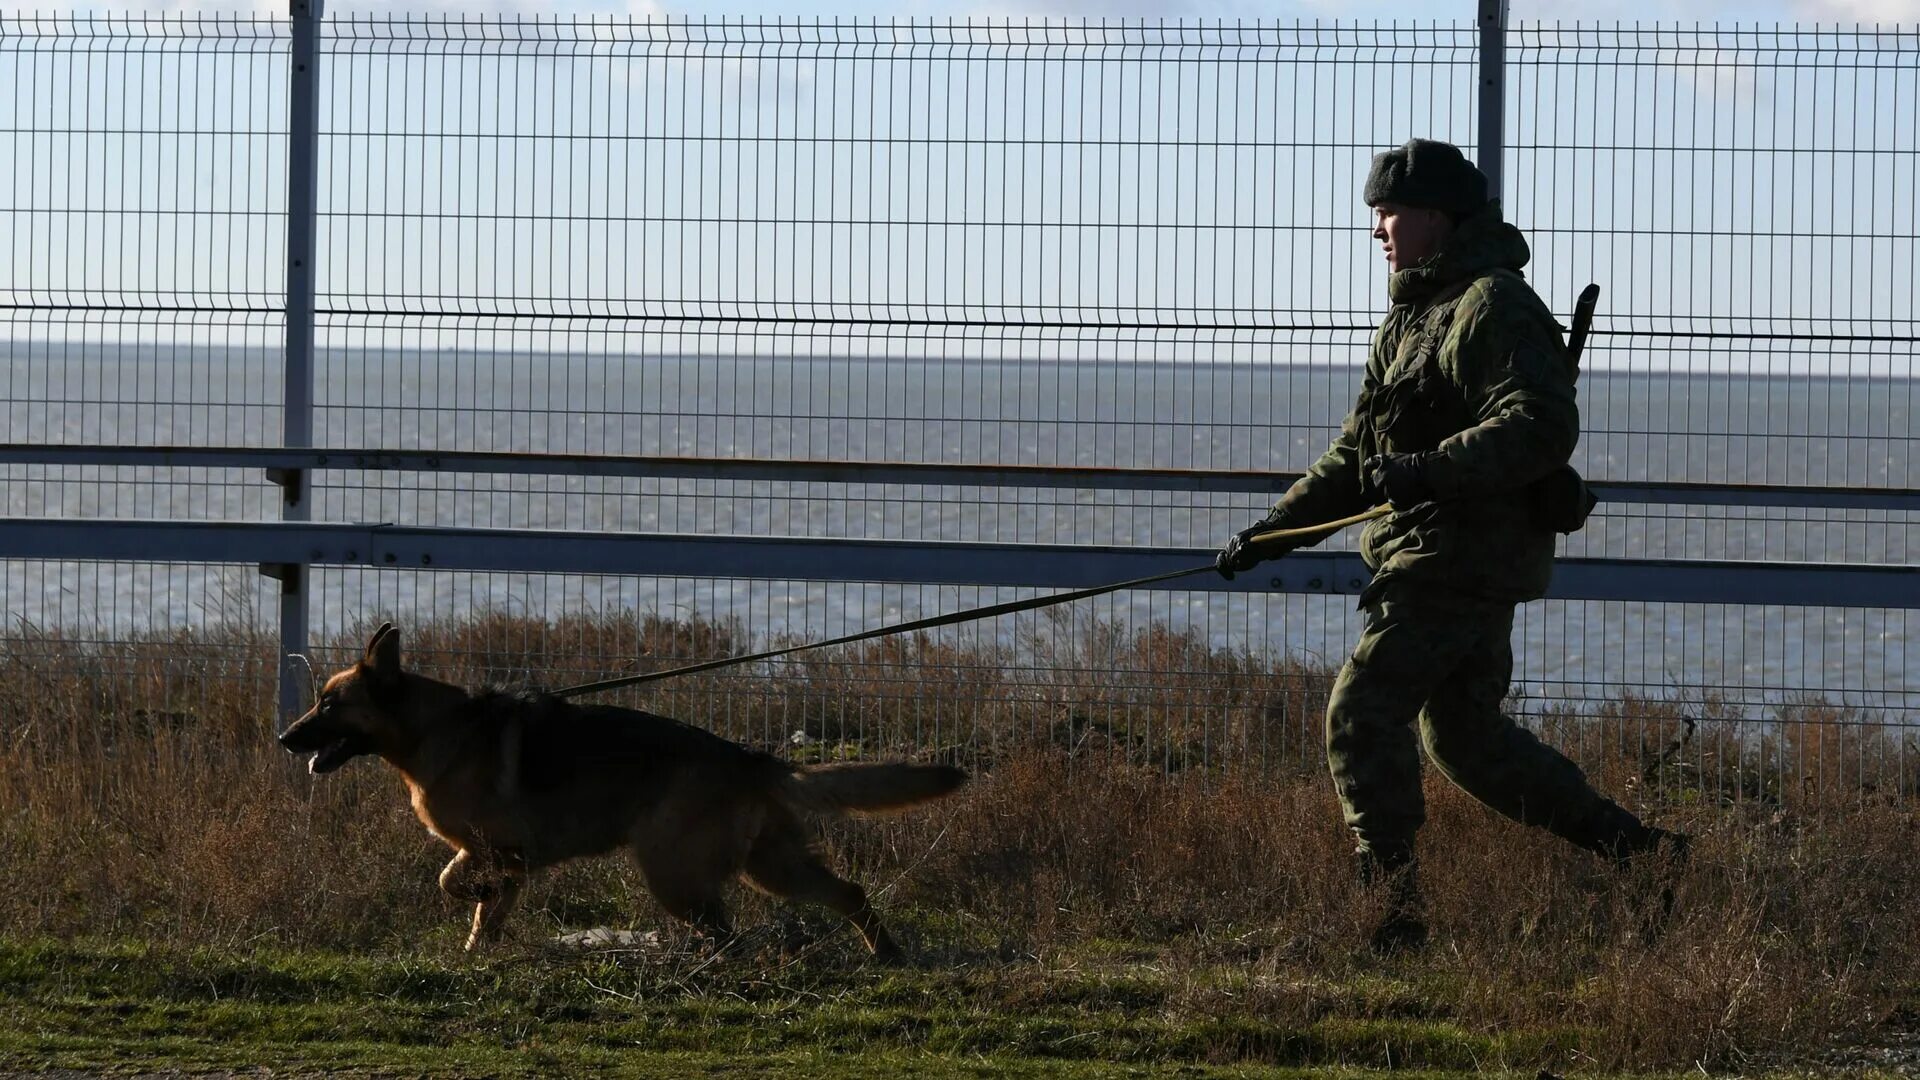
[
  {"x": 383, "y": 653},
  {"x": 372, "y": 642}
]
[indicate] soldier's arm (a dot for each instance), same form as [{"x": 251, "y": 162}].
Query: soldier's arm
[
  {"x": 1518, "y": 379},
  {"x": 1331, "y": 488}
]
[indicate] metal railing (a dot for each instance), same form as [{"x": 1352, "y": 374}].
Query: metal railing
[{"x": 810, "y": 324}]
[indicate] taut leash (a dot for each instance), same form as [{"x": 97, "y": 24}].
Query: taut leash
[{"x": 968, "y": 615}]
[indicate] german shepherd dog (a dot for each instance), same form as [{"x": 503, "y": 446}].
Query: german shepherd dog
[{"x": 515, "y": 781}]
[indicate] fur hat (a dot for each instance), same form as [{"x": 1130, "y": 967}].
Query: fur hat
[{"x": 1430, "y": 174}]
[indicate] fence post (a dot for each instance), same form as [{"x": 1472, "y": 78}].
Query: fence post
[
  {"x": 1493, "y": 91},
  {"x": 303, "y": 139}
]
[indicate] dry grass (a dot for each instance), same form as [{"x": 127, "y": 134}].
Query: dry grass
[{"x": 1163, "y": 808}]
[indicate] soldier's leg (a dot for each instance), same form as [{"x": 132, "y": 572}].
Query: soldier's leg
[
  {"x": 1500, "y": 763},
  {"x": 1404, "y": 654}
]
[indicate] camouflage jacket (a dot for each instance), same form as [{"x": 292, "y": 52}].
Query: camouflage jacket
[{"x": 1468, "y": 364}]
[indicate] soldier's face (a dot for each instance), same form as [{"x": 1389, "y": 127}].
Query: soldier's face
[{"x": 1409, "y": 235}]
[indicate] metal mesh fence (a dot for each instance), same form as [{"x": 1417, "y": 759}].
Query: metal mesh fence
[
  {"x": 142, "y": 213},
  {"x": 1060, "y": 244}
]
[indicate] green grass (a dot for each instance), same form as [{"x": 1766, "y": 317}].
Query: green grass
[{"x": 124, "y": 1006}]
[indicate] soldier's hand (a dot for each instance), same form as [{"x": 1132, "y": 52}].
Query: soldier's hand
[
  {"x": 1243, "y": 553},
  {"x": 1234, "y": 557},
  {"x": 1402, "y": 478}
]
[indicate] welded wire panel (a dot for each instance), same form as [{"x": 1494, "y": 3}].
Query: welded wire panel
[
  {"x": 1056, "y": 243},
  {"x": 116, "y": 659},
  {"x": 1173, "y": 680},
  {"x": 145, "y": 172},
  {"x": 1095, "y": 676},
  {"x": 924, "y": 172},
  {"x": 141, "y": 216},
  {"x": 1748, "y": 201},
  {"x": 1059, "y": 243},
  {"x": 1052, "y": 244},
  {"x": 141, "y": 219}
]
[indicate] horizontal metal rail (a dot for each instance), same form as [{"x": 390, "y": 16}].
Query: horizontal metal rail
[
  {"x": 1065, "y": 566},
  {"x": 550, "y": 309},
  {"x": 874, "y": 472}
]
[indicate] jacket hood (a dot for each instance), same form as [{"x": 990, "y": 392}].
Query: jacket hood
[{"x": 1481, "y": 243}]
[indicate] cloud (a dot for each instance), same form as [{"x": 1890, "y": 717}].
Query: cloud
[{"x": 1860, "y": 11}]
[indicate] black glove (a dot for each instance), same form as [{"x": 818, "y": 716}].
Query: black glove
[
  {"x": 1402, "y": 478},
  {"x": 1241, "y": 553}
]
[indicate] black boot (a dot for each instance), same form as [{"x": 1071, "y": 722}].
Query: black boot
[
  {"x": 1612, "y": 832},
  {"x": 1636, "y": 844},
  {"x": 1403, "y": 928},
  {"x": 1655, "y": 858}
]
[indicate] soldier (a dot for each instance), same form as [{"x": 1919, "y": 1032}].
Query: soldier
[{"x": 1466, "y": 411}]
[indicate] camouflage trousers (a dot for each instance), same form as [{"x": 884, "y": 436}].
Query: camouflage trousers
[{"x": 1446, "y": 663}]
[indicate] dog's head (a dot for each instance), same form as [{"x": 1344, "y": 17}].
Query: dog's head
[{"x": 356, "y": 711}]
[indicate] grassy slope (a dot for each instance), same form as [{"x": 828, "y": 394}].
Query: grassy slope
[{"x": 532, "y": 1013}]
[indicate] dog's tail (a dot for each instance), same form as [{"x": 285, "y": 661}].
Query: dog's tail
[{"x": 841, "y": 789}]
